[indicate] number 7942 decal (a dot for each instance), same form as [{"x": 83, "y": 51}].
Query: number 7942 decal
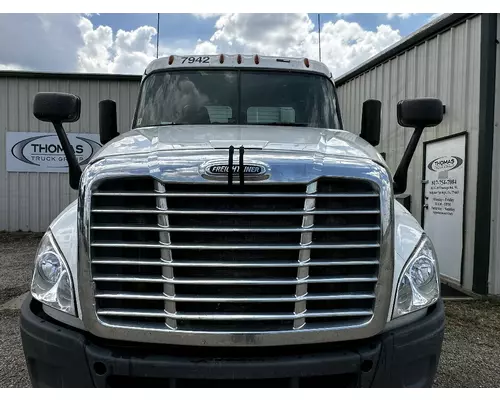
[{"x": 193, "y": 60}]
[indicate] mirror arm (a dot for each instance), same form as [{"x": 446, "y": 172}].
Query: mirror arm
[
  {"x": 75, "y": 172},
  {"x": 401, "y": 175}
]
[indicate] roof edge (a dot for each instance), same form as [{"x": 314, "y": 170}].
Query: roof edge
[
  {"x": 67, "y": 75},
  {"x": 431, "y": 29}
]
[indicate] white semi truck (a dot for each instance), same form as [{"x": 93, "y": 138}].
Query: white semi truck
[{"x": 235, "y": 236}]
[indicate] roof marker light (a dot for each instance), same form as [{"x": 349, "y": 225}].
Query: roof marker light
[
  {"x": 238, "y": 59},
  {"x": 256, "y": 59},
  {"x": 306, "y": 62},
  {"x": 170, "y": 60},
  {"x": 221, "y": 58}
]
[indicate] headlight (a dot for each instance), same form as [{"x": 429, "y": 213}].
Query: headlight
[
  {"x": 418, "y": 285},
  {"x": 52, "y": 283}
]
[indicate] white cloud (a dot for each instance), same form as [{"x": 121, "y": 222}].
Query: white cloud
[
  {"x": 126, "y": 52},
  {"x": 11, "y": 67},
  {"x": 42, "y": 42},
  {"x": 264, "y": 33},
  {"x": 95, "y": 54},
  {"x": 402, "y": 15},
  {"x": 205, "y": 47},
  {"x": 207, "y": 15},
  {"x": 346, "y": 44}
]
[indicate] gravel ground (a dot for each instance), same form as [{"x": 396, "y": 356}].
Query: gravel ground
[
  {"x": 470, "y": 356},
  {"x": 471, "y": 349},
  {"x": 13, "y": 372},
  {"x": 17, "y": 252}
]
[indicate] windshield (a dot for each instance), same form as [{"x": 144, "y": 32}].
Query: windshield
[{"x": 237, "y": 97}]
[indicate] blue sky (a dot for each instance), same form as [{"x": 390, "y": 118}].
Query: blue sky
[{"x": 126, "y": 43}]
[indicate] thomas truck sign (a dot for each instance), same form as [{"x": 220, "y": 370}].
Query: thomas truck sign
[
  {"x": 445, "y": 164},
  {"x": 42, "y": 152}
]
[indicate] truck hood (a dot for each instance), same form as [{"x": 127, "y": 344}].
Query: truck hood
[{"x": 266, "y": 138}]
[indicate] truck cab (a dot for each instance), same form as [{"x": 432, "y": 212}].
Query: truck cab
[{"x": 237, "y": 235}]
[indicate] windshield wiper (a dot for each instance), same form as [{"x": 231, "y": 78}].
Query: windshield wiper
[{"x": 280, "y": 123}]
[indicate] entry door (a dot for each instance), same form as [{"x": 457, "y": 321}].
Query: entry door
[{"x": 443, "y": 202}]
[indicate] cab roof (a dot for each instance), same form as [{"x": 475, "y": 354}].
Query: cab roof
[{"x": 237, "y": 61}]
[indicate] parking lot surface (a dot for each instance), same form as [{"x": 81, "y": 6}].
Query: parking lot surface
[{"x": 471, "y": 349}]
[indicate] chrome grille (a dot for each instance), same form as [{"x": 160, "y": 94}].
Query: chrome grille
[{"x": 205, "y": 257}]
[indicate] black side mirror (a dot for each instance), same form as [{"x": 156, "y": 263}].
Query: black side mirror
[
  {"x": 58, "y": 108},
  {"x": 107, "y": 121},
  {"x": 419, "y": 114},
  {"x": 370, "y": 121}
]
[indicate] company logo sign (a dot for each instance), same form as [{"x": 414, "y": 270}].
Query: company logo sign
[
  {"x": 446, "y": 163},
  {"x": 31, "y": 152}
]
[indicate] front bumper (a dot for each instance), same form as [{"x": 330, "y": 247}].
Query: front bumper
[{"x": 60, "y": 356}]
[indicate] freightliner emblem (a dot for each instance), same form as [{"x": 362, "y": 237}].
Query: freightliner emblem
[{"x": 223, "y": 169}]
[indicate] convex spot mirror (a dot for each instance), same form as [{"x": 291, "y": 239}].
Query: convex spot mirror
[
  {"x": 420, "y": 113},
  {"x": 56, "y": 107}
]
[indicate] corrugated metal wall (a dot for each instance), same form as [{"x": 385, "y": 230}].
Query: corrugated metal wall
[
  {"x": 445, "y": 66},
  {"x": 30, "y": 201},
  {"x": 494, "y": 278}
]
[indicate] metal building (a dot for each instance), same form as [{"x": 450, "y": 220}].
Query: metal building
[
  {"x": 453, "y": 59},
  {"x": 29, "y": 201}
]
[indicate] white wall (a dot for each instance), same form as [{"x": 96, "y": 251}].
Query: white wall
[
  {"x": 30, "y": 201},
  {"x": 445, "y": 66}
]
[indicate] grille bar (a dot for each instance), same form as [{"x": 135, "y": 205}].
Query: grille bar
[
  {"x": 180, "y": 281},
  {"x": 190, "y": 264},
  {"x": 234, "y": 229},
  {"x": 225, "y": 212},
  {"x": 240, "y": 299},
  {"x": 239, "y": 317},
  {"x": 236, "y": 194},
  {"x": 238, "y": 247}
]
